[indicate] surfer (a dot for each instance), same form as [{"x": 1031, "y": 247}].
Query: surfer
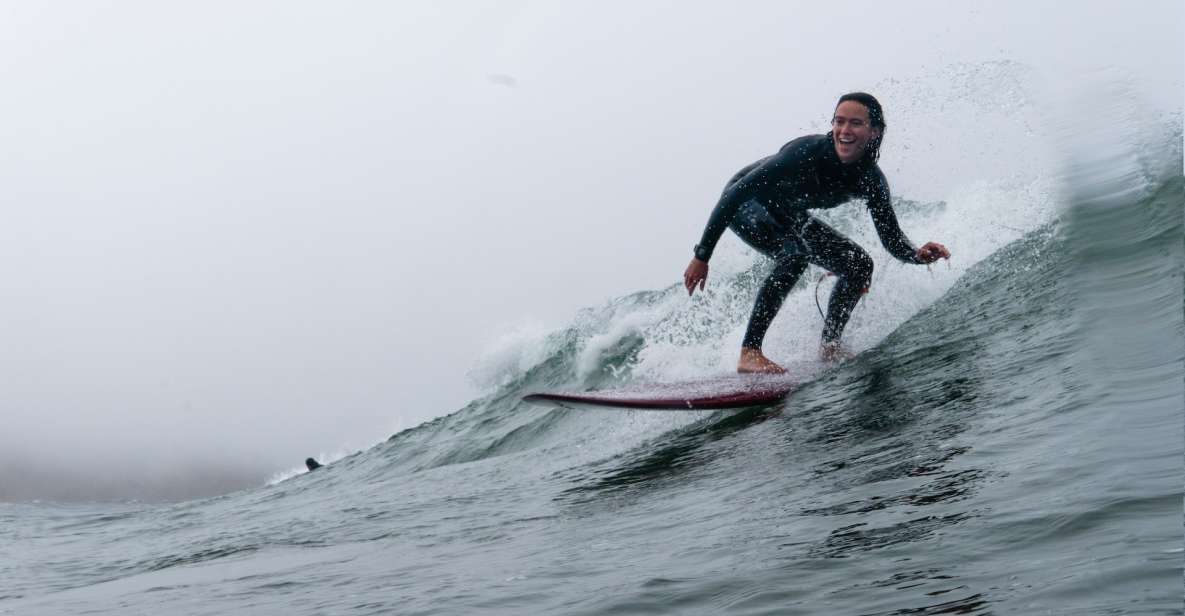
[
  {"x": 312, "y": 464},
  {"x": 767, "y": 205}
]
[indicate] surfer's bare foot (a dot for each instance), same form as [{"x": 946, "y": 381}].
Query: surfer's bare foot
[
  {"x": 832, "y": 352},
  {"x": 752, "y": 361}
]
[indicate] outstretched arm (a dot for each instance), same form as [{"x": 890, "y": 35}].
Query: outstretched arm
[
  {"x": 753, "y": 182},
  {"x": 893, "y": 239}
]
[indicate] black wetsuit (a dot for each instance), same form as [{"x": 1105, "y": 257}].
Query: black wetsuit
[{"x": 767, "y": 204}]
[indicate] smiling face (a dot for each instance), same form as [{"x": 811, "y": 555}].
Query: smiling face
[{"x": 852, "y": 130}]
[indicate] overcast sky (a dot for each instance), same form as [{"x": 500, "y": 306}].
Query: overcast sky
[{"x": 238, "y": 233}]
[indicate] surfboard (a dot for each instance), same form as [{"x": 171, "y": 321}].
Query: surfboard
[{"x": 731, "y": 392}]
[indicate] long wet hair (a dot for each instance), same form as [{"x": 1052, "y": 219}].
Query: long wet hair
[{"x": 876, "y": 117}]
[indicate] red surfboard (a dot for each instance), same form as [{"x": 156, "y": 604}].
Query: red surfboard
[{"x": 731, "y": 392}]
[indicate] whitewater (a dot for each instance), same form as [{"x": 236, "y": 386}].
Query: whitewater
[{"x": 1008, "y": 440}]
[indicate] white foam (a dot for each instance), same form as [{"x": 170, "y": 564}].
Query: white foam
[{"x": 510, "y": 354}]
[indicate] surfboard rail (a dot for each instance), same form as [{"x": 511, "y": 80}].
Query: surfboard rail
[{"x": 709, "y": 396}]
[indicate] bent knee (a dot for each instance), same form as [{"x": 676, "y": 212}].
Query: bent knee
[{"x": 859, "y": 269}]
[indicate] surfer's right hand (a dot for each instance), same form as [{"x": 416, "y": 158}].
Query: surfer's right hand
[{"x": 696, "y": 274}]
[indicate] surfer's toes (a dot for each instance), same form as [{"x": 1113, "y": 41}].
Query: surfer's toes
[
  {"x": 753, "y": 362},
  {"x": 767, "y": 368}
]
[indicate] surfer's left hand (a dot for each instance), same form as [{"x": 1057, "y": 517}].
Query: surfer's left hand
[{"x": 932, "y": 252}]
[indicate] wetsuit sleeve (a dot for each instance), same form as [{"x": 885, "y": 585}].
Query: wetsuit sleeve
[
  {"x": 885, "y": 221},
  {"x": 757, "y": 181}
]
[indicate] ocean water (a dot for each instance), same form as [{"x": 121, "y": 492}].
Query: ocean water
[{"x": 1008, "y": 441}]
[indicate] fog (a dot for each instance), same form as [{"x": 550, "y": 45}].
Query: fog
[{"x": 238, "y": 234}]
